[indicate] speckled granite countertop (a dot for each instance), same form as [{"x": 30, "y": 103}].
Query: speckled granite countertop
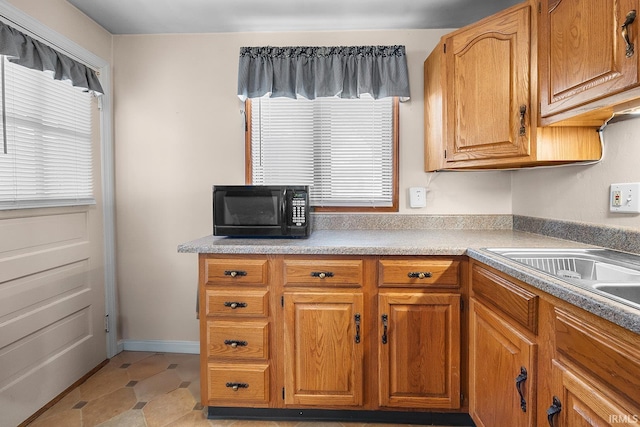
[{"x": 432, "y": 242}]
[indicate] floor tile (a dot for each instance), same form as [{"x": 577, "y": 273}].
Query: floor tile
[
  {"x": 143, "y": 389},
  {"x": 168, "y": 407},
  {"x": 106, "y": 407}
]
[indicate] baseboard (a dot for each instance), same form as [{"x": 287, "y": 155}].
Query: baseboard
[{"x": 157, "y": 346}]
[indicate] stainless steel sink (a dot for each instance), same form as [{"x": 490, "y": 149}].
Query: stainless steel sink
[
  {"x": 623, "y": 291},
  {"x": 606, "y": 272}
]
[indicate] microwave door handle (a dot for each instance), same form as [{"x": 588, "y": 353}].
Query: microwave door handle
[{"x": 283, "y": 212}]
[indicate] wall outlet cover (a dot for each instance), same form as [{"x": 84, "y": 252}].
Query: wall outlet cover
[
  {"x": 625, "y": 198},
  {"x": 417, "y": 197}
]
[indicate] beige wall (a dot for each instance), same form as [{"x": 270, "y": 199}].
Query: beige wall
[
  {"x": 581, "y": 193},
  {"x": 179, "y": 131},
  {"x": 61, "y": 16}
]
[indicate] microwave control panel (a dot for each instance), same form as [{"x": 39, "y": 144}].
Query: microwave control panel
[{"x": 299, "y": 207}]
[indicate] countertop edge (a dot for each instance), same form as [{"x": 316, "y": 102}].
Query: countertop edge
[{"x": 608, "y": 309}]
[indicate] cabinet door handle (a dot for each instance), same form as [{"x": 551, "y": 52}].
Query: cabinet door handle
[
  {"x": 321, "y": 274},
  {"x": 235, "y": 273},
  {"x": 419, "y": 274},
  {"x": 357, "y": 320},
  {"x": 233, "y": 304},
  {"x": 385, "y": 325},
  {"x": 236, "y": 386},
  {"x": 520, "y": 379},
  {"x": 554, "y": 409},
  {"x": 235, "y": 343},
  {"x": 523, "y": 112},
  {"x": 631, "y": 16}
]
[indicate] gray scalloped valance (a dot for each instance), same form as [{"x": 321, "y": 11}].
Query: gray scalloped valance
[
  {"x": 28, "y": 52},
  {"x": 312, "y": 72}
]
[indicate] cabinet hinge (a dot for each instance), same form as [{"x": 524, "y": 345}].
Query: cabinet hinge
[
  {"x": 445, "y": 154},
  {"x": 106, "y": 323},
  {"x": 444, "y": 47},
  {"x": 282, "y": 301},
  {"x": 461, "y": 305},
  {"x": 461, "y": 398},
  {"x": 282, "y": 393},
  {"x": 539, "y": 7}
]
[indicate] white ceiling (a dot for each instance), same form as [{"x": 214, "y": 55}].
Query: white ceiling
[{"x": 215, "y": 16}]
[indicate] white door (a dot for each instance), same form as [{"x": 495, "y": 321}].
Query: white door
[{"x": 52, "y": 300}]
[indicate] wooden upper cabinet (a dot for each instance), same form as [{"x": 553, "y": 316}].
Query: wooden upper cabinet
[
  {"x": 481, "y": 100},
  {"x": 582, "y": 53},
  {"x": 487, "y": 85}
]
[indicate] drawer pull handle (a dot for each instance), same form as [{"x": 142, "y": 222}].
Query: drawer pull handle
[
  {"x": 235, "y": 343},
  {"x": 321, "y": 274},
  {"x": 385, "y": 324},
  {"x": 520, "y": 379},
  {"x": 235, "y": 273},
  {"x": 234, "y": 305},
  {"x": 236, "y": 386},
  {"x": 357, "y": 320},
  {"x": 419, "y": 274},
  {"x": 554, "y": 409},
  {"x": 631, "y": 16}
]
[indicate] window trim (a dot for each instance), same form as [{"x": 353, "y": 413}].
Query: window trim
[{"x": 395, "y": 164}]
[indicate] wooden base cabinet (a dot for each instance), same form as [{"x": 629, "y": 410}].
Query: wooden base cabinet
[
  {"x": 307, "y": 332},
  {"x": 536, "y": 360},
  {"x": 595, "y": 373},
  {"x": 419, "y": 350},
  {"x": 323, "y": 348},
  {"x": 503, "y": 369}
]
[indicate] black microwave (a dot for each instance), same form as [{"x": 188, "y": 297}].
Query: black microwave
[{"x": 261, "y": 211}]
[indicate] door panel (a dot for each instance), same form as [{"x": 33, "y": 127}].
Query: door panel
[
  {"x": 52, "y": 300},
  {"x": 420, "y": 358},
  {"x": 323, "y": 360}
]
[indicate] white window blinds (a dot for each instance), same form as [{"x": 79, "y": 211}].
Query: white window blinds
[
  {"x": 46, "y": 157},
  {"x": 342, "y": 148}
]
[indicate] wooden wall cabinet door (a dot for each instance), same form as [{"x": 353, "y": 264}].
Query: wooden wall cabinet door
[
  {"x": 323, "y": 348},
  {"x": 502, "y": 368},
  {"x": 582, "y": 53},
  {"x": 488, "y": 88},
  {"x": 419, "y": 350}
]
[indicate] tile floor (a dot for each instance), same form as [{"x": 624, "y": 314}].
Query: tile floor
[{"x": 139, "y": 389}]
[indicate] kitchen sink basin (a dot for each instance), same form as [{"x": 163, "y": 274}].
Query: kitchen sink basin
[
  {"x": 606, "y": 272},
  {"x": 626, "y": 291}
]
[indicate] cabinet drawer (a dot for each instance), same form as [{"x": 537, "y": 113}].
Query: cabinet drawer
[
  {"x": 507, "y": 297},
  {"x": 230, "y": 340},
  {"x": 236, "y": 271},
  {"x": 236, "y": 304},
  {"x": 238, "y": 383},
  {"x": 441, "y": 273},
  {"x": 314, "y": 272},
  {"x": 599, "y": 353}
]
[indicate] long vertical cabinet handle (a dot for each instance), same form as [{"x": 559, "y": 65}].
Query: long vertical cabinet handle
[
  {"x": 357, "y": 320},
  {"x": 631, "y": 16},
  {"x": 385, "y": 325},
  {"x": 554, "y": 409},
  {"x": 523, "y": 112},
  {"x": 520, "y": 379}
]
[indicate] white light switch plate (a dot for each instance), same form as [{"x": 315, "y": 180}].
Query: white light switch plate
[
  {"x": 625, "y": 198},
  {"x": 417, "y": 197}
]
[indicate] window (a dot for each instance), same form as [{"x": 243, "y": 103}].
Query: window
[
  {"x": 346, "y": 150},
  {"x": 46, "y": 150}
]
